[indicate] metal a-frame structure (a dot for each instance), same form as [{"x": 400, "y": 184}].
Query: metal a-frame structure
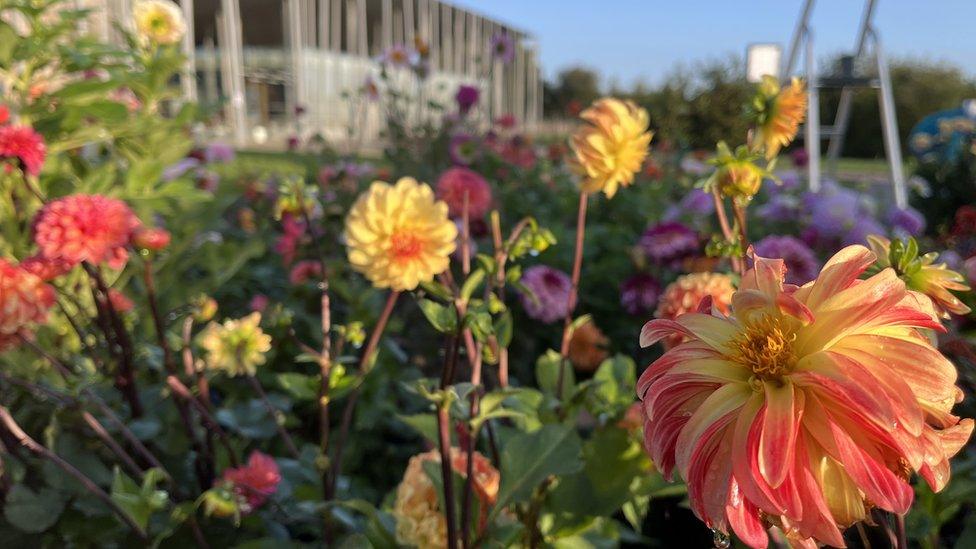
[{"x": 867, "y": 47}]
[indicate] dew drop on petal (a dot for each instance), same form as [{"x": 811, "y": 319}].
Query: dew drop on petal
[{"x": 721, "y": 540}]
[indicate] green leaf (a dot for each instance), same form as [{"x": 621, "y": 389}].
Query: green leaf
[
  {"x": 299, "y": 386},
  {"x": 138, "y": 501},
  {"x": 31, "y": 511},
  {"x": 529, "y": 458},
  {"x": 547, "y": 374},
  {"x": 424, "y": 424},
  {"x": 442, "y": 317},
  {"x": 471, "y": 284}
]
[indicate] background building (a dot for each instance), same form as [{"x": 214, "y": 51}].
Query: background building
[{"x": 261, "y": 62}]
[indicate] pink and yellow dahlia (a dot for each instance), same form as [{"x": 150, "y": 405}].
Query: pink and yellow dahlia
[
  {"x": 83, "y": 227},
  {"x": 805, "y": 407},
  {"x": 24, "y": 301}
]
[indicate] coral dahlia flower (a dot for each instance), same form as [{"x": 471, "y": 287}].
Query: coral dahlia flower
[
  {"x": 84, "y": 227},
  {"x": 398, "y": 235},
  {"x": 685, "y": 294},
  {"x": 24, "y": 301},
  {"x": 612, "y": 146},
  {"x": 419, "y": 519},
  {"x": 806, "y": 407},
  {"x": 24, "y": 146}
]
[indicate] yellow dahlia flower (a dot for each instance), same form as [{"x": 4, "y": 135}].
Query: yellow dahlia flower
[
  {"x": 804, "y": 408},
  {"x": 922, "y": 274},
  {"x": 419, "y": 519},
  {"x": 159, "y": 21},
  {"x": 236, "y": 347},
  {"x": 779, "y": 113},
  {"x": 398, "y": 235},
  {"x": 611, "y": 148}
]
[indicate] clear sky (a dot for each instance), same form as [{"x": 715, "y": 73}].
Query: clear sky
[{"x": 633, "y": 40}]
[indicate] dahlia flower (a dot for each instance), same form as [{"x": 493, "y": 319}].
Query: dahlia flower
[
  {"x": 503, "y": 47},
  {"x": 685, "y": 294},
  {"x": 921, "y": 274},
  {"x": 455, "y": 182},
  {"x": 119, "y": 301},
  {"x": 236, "y": 347},
  {"x": 24, "y": 146},
  {"x": 419, "y": 520},
  {"x": 303, "y": 271},
  {"x": 4, "y": 114},
  {"x": 639, "y": 294},
  {"x": 805, "y": 407},
  {"x": 463, "y": 149},
  {"x": 46, "y": 269},
  {"x": 467, "y": 97},
  {"x": 736, "y": 175},
  {"x": 548, "y": 293},
  {"x": 588, "y": 347},
  {"x": 83, "y": 227},
  {"x": 670, "y": 243},
  {"x": 610, "y": 149},
  {"x": 398, "y": 235},
  {"x": 159, "y": 21},
  {"x": 151, "y": 238},
  {"x": 24, "y": 301},
  {"x": 801, "y": 263},
  {"x": 398, "y": 55},
  {"x": 780, "y": 114},
  {"x": 254, "y": 482}
]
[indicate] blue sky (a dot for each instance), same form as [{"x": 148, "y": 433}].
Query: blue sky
[{"x": 632, "y": 40}]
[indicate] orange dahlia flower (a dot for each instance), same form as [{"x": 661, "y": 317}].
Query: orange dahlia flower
[
  {"x": 611, "y": 148},
  {"x": 24, "y": 301},
  {"x": 419, "y": 520},
  {"x": 806, "y": 406},
  {"x": 84, "y": 227}
]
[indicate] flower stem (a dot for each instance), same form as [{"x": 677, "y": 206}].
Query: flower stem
[
  {"x": 573, "y": 291},
  {"x": 723, "y": 221},
  {"x": 10, "y": 424},
  {"x": 104, "y": 408},
  {"x": 125, "y": 378},
  {"x": 204, "y": 469},
  {"x": 275, "y": 416},
  {"x": 349, "y": 411},
  {"x": 210, "y": 423},
  {"x": 444, "y": 436}
]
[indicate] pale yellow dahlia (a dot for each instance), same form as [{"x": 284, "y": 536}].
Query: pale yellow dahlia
[
  {"x": 398, "y": 236},
  {"x": 611, "y": 148},
  {"x": 237, "y": 346},
  {"x": 159, "y": 21},
  {"x": 419, "y": 519},
  {"x": 782, "y": 113}
]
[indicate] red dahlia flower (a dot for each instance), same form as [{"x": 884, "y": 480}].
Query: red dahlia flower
[
  {"x": 805, "y": 407},
  {"x": 82, "y": 227},
  {"x": 25, "y": 146},
  {"x": 256, "y": 481}
]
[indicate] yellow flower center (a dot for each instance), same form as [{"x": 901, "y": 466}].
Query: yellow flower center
[
  {"x": 405, "y": 245},
  {"x": 766, "y": 347}
]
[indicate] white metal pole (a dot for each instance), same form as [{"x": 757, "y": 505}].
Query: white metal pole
[
  {"x": 813, "y": 116},
  {"x": 889, "y": 126},
  {"x": 188, "y": 78}
]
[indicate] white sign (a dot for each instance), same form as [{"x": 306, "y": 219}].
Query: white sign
[{"x": 762, "y": 59}]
